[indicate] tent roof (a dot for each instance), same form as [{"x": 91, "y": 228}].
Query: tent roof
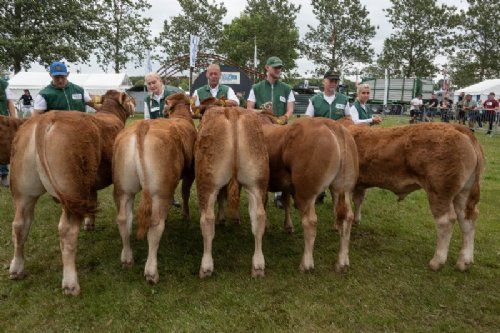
[
  {"x": 101, "y": 81},
  {"x": 482, "y": 88}
]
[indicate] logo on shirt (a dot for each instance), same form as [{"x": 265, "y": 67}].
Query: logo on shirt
[
  {"x": 282, "y": 99},
  {"x": 76, "y": 96},
  {"x": 340, "y": 106}
]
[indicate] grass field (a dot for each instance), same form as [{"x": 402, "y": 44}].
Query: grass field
[{"x": 388, "y": 286}]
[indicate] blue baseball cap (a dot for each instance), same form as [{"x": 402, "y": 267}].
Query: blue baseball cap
[{"x": 58, "y": 68}]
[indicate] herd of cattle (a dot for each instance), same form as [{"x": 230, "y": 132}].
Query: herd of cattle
[{"x": 72, "y": 155}]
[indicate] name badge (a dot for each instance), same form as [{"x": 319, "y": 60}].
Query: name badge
[
  {"x": 340, "y": 106},
  {"x": 76, "y": 96},
  {"x": 154, "y": 109},
  {"x": 282, "y": 99}
]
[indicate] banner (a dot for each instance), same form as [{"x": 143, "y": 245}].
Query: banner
[
  {"x": 149, "y": 66},
  {"x": 194, "y": 41},
  {"x": 230, "y": 78}
]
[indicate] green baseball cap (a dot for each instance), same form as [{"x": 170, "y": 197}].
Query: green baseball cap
[
  {"x": 332, "y": 75},
  {"x": 274, "y": 62}
]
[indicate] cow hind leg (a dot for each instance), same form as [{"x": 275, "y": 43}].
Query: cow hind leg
[
  {"x": 467, "y": 227},
  {"x": 69, "y": 227},
  {"x": 221, "y": 207},
  {"x": 25, "y": 208},
  {"x": 207, "y": 225},
  {"x": 345, "y": 218},
  {"x": 258, "y": 220},
  {"x": 160, "y": 207},
  {"x": 358, "y": 198},
  {"x": 89, "y": 222},
  {"x": 309, "y": 223},
  {"x": 187, "y": 182},
  {"x": 444, "y": 214},
  {"x": 288, "y": 224},
  {"x": 125, "y": 205}
]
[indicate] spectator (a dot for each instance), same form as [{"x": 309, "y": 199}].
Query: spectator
[
  {"x": 432, "y": 105},
  {"x": 460, "y": 109},
  {"x": 491, "y": 106},
  {"x": 416, "y": 105},
  {"x": 7, "y": 108},
  {"x": 26, "y": 106},
  {"x": 445, "y": 106},
  {"x": 61, "y": 94},
  {"x": 469, "y": 107}
]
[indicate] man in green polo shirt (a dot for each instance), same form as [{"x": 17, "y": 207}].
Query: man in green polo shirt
[
  {"x": 273, "y": 90},
  {"x": 329, "y": 103},
  {"x": 7, "y": 108},
  {"x": 155, "y": 100},
  {"x": 61, "y": 94},
  {"x": 214, "y": 89}
]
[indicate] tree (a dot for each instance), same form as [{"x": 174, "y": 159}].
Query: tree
[
  {"x": 270, "y": 24},
  {"x": 342, "y": 36},
  {"x": 124, "y": 34},
  {"x": 198, "y": 17},
  {"x": 45, "y": 30},
  {"x": 423, "y": 29},
  {"x": 479, "y": 44}
]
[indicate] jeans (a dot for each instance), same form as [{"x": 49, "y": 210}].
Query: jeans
[{"x": 4, "y": 169}]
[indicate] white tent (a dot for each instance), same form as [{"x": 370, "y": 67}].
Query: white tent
[
  {"x": 94, "y": 84},
  {"x": 482, "y": 89}
]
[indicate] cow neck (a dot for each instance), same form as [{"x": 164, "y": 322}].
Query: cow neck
[
  {"x": 118, "y": 110},
  {"x": 181, "y": 111}
]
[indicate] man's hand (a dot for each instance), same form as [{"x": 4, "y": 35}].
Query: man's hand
[
  {"x": 283, "y": 120},
  {"x": 377, "y": 119}
]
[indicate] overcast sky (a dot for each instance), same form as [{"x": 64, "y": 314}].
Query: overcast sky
[{"x": 163, "y": 9}]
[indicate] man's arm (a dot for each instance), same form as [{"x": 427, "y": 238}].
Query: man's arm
[
  {"x": 40, "y": 106},
  {"x": 10, "y": 103},
  {"x": 251, "y": 100},
  {"x": 290, "y": 105},
  {"x": 232, "y": 99}
]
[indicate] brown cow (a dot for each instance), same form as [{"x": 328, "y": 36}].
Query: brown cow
[
  {"x": 8, "y": 129},
  {"x": 67, "y": 154},
  {"x": 305, "y": 158},
  {"x": 443, "y": 159},
  {"x": 231, "y": 147},
  {"x": 153, "y": 155}
]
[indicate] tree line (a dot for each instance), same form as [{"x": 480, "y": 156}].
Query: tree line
[{"x": 117, "y": 33}]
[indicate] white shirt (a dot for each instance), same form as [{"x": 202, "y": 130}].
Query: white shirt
[
  {"x": 416, "y": 103},
  {"x": 329, "y": 100},
  {"x": 9, "y": 94},
  {"x": 41, "y": 103},
  {"x": 146, "y": 109},
  {"x": 251, "y": 96},
  {"x": 355, "y": 115},
  {"x": 230, "y": 95}
]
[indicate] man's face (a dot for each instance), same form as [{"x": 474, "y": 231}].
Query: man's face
[
  {"x": 60, "y": 81},
  {"x": 364, "y": 96},
  {"x": 433, "y": 96},
  {"x": 154, "y": 85},
  {"x": 491, "y": 97},
  {"x": 330, "y": 85},
  {"x": 213, "y": 77},
  {"x": 468, "y": 98},
  {"x": 274, "y": 72}
]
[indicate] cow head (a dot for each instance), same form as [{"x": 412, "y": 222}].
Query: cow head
[
  {"x": 172, "y": 101},
  {"x": 126, "y": 101},
  {"x": 267, "y": 117},
  {"x": 206, "y": 104}
]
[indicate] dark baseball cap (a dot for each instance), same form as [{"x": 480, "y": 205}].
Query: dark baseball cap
[
  {"x": 274, "y": 62},
  {"x": 58, "y": 68},
  {"x": 332, "y": 75}
]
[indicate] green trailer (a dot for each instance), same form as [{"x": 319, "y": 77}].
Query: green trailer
[{"x": 399, "y": 91}]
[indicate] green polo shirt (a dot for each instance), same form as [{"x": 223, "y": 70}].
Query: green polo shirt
[
  {"x": 204, "y": 92},
  {"x": 333, "y": 111},
  {"x": 155, "y": 108},
  {"x": 277, "y": 93},
  {"x": 363, "y": 114},
  {"x": 4, "y": 111},
  {"x": 71, "y": 97}
]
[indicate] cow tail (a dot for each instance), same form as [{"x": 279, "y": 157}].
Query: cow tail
[
  {"x": 144, "y": 211},
  {"x": 471, "y": 211}
]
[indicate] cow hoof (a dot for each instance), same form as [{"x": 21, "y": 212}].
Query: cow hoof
[
  {"x": 71, "y": 290},
  {"x": 306, "y": 268},
  {"x": 16, "y": 275},
  {"x": 152, "y": 278},
  {"x": 127, "y": 264},
  {"x": 463, "y": 266},
  {"x": 205, "y": 273},
  {"x": 89, "y": 227},
  {"x": 435, "y": 265},
  {"x": 341, "y": 269},
  {"x": 258, "y": 272},
  {"x": 289, "y": 229}
]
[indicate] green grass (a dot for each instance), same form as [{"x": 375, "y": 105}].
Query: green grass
[{"x": 388, "y": 287}]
